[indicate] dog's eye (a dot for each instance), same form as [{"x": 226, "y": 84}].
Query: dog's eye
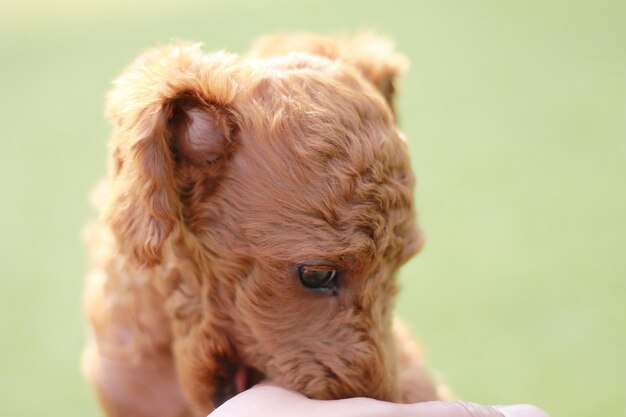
[{"x": 317, "y": 278}]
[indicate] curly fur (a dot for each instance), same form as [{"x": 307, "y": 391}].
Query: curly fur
[{"x": 227, "y": 172}]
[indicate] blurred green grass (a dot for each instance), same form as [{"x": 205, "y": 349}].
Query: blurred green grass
[{"x": 516, "y": 113}]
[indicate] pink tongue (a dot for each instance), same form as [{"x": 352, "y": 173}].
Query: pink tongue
[
  {"x": 241, "y": 380},
  {"x": 246, "y": 377}
]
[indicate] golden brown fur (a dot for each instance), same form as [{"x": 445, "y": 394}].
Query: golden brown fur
[{"x": 226, "y": 173}]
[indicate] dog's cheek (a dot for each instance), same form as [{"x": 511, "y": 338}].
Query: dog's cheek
[{"x": 272, "y": 316}]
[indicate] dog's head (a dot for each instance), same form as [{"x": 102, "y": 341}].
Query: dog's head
[{"x": 276, "y": 196}]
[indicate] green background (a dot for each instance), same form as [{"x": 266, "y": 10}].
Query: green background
[{"x": 516, "y": 115}]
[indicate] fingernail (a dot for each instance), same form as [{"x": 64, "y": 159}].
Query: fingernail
[{"x": 521, "y": 410}]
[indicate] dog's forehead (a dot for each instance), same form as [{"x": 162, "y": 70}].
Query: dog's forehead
[
  {"x": 312, "y": 112},
  {"x": 298, "y": 84},
  {"x": 340, "y": 215},
  {"x": 321, "y": 170}
]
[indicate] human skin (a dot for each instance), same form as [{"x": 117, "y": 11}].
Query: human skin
[{"x": 269, "y": 400}]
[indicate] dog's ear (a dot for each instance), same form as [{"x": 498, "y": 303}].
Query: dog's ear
[
  {"x": 373, "y": 55},
  {"x": 172, "y": 108},
  {"x": 377, "y": 59}
]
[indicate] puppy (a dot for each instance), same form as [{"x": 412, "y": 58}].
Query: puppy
[{"x": 255, "y": 213}]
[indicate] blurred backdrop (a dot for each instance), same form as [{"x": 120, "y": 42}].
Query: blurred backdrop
[{"x": 516, "y": 115}]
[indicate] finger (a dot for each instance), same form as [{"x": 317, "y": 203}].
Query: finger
[
  {"x": 266, "y": 383},
  {"x": 263, "y": 400},
  {"x": 521, "y": 410},
  {"x": 451, "y": 409}
]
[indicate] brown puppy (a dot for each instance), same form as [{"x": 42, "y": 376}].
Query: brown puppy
[{"x": 254, "y": 216}]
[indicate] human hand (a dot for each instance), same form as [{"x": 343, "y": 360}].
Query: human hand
[{"x": 268, "y": 400}]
